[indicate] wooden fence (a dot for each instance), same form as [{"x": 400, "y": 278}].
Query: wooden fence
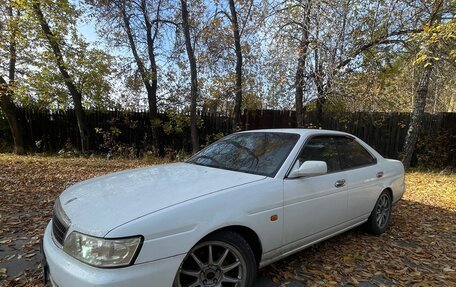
[
  {"x": 385, "y": 132},
  {"x": 51, "y": 131}
]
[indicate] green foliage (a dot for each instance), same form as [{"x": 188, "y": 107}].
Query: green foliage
[
  {"x": 380, "y": 86},
  {"x": 433, "y": 150},
  {"x": 212, "y": 138},
  {"x": 38, "y": 81},
  {"x": 335, "y": 104},
  {"x": 437, "y": 42},
  {"x": 176, "y": 122},
  {"x": 110, "y": 137},
  {"x": 3, "y": 121},
  {"x": 156, "y": 122},
  {"x": 92, "y": 70}
]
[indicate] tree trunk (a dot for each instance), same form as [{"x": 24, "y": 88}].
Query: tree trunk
[
  {"x": 193, "y": 76},
  {"x": 321, "y": 91},
  {"x": 319, "y": 75},
  {"x": 151, "y": 92},
  {"x": 237, "y": 46},
  {"x": 7, "y": 90},
  {"x": 320, "y": 103},
  {"x": 419, "y": 102},
  {"x": 299, "y": 85},
  {"x": 416, "y": 119},
  {"x": 12, "y": 115},
  {"x": 69, "y": 82},
  {"x": 300, "y": 69},
  {"x": 150, "y": 39},
  {"x": 151, "y": 87}
]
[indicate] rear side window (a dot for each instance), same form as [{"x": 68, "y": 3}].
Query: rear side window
[
  {"x": 321, "y": 149},
  {"x": 352, "y": 154}
]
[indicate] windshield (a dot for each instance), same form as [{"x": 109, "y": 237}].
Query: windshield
[{"x": 260, "y": 153}]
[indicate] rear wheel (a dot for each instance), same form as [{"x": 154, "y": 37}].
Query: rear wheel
[
  {"x": 222, "y": 260},
  {"x": 380, "y": 218}
]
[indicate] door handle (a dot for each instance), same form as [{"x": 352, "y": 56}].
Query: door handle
[
  {"x": 340, "y": 183},
  {"x": 379, "y": 174}
]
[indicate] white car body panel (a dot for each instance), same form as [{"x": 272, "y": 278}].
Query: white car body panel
[
  {"x": 146, "y": 190},
  {"x": 69, "y": 272},
  {"x": 363, "y": 190},
  {"x": 250, "y": 205},
  {"x": 174, "y": 206},
  {"x": 313, "y": 204}
]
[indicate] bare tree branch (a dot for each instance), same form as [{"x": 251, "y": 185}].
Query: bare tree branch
[{"x": 380, "y": 40}]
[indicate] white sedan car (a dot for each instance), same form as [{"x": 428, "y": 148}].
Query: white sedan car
[{"x": 244, "y": 202}]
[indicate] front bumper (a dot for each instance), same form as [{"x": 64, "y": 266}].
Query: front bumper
[{"x": 69, "y": 272}]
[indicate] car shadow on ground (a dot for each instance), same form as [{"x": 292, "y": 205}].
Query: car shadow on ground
[{"x": 420, "y": 246}]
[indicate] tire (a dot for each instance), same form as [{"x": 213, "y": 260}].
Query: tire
[
  {"x": 380, "y": 217},
  {"x": 233, "y": 263}
]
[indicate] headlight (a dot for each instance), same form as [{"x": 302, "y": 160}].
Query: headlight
[{"x": 102, "y": 252}]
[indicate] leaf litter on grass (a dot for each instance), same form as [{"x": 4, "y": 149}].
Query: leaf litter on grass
[{"x": 419, "y": 249}]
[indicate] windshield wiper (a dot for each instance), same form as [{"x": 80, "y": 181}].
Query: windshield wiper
[{"x": 219, "y": 164}]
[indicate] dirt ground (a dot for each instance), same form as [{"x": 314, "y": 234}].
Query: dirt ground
[{"x": 419, "y": 249}]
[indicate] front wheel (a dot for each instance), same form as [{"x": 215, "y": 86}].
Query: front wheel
[
  {"x": 222, "y": 260},
  {"x": 380, "y": 218}
]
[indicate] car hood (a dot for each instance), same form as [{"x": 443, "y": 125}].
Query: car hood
[{"x": 98, "y": 205}]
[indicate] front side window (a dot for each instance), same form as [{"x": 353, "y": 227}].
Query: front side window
[
  {"x": 352, "y": 154},
  {"x": 261, "y": 153},
  {"x": 321, "y": 149}
]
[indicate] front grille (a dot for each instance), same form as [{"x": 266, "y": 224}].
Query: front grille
[{"x": 59, "y": 230}]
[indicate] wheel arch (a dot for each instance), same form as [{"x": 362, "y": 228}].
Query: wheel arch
[
  {"x": 247, "y": 233},
  {"x": 383, "y": 188},
  {"x": 390, "y": 191}
]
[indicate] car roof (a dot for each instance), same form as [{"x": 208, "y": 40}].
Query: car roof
[{"x": 300, "y": 131}]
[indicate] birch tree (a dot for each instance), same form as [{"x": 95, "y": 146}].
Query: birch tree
[{"x": 430, "y": 38}]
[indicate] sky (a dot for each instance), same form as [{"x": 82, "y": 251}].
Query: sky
[
  {"x": 86, "y": 26},
  {"x": 88, "y": 31}
]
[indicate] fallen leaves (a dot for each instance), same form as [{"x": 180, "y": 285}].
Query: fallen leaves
[
  {"x": 419, "y": 249},
  {"x": 28, "y": 188},
  {"x": 348, "y": 260},
  {"x": 30, "y": 255}
]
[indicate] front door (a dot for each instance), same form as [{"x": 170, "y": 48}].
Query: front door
[{"x": 317, "y": 203}]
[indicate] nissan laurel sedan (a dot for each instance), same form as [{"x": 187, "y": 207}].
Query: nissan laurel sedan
[{"x": 247, "y": 200}]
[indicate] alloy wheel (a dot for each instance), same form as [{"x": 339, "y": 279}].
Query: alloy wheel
[
  {"x": 383, "y": 210},
  {"x": 212, "y": 264}
]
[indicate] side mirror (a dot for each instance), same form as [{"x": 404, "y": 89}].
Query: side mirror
[{"x": 310, "y": 168}]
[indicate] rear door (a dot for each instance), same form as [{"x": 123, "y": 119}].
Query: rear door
[{"x": 362, "y": 177}]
